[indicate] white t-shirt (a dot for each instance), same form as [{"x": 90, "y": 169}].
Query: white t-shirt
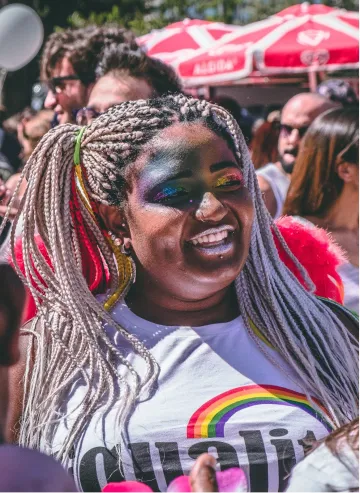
[
  {"x": 217, "y": 393},
  {"x": 279, "y": 183}
]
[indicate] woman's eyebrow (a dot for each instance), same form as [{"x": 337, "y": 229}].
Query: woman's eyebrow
[
  {"x": 223, "y": 165},
  {"x": 186, "y": 173},
  {"x": 158, "y": 177},
  {"x": 161, "y": 175}
]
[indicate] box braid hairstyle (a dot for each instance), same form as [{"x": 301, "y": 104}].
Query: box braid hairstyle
[{"x": 60, "y": 204}]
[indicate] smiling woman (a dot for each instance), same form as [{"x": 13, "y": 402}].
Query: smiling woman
[{"x": 212, "y": 346}]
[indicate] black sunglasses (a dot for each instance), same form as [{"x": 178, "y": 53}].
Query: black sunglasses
[
  {"x": 56, "y": 84},
  {"x": 288, "y": 130},
  {"x": 85, "y": 115}
]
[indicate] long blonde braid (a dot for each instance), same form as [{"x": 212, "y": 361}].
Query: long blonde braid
[{"x": 71, "y": 341}]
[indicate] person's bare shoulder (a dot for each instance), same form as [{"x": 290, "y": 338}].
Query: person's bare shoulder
[
  {"x": 268, "y": 195},
  {"x": 263, "y": 183}
]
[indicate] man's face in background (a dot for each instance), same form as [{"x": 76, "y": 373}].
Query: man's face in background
[
  {"x": 67, "y": 93},
  {"x": 296, "y": 117}
]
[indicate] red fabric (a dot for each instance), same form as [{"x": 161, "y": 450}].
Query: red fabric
[
  {"x": 312, "y": 43},
  {"x": 290, "y": 41},
  {"x": 312, "y": 246},
  {"x": 318, "y": 254},
  {"x": 92, "y": 263},
  {"x": 183, "y": 38},
  {"x": 30, "y": 309},
  {"x": 127, "y": 486}
]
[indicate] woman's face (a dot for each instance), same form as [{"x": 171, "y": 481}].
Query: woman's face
[{"x": 189, "y": 215}]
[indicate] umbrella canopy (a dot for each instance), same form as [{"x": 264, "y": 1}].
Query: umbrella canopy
[
  {"x": 182, "y": 39},
  {"x": 298, "y": 39},
  {"x": 310, "y": 42}
]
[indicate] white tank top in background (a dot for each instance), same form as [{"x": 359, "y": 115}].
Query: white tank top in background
[
  {"x": 217, "y": 392},
  {"x": 279, "y": 183},
  {"x": 348, "y": 272}
]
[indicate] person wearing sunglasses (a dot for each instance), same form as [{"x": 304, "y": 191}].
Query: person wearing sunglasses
[
  {"x": 124, "y": 75},
  {"x": 68, "y": 66},
  {"x": 324, "y": 189},
  {"x": 297, "y": 115}
]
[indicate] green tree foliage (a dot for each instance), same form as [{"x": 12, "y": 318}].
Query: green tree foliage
[
  {"x": 139, "y": 22},
  {"x": 77, "y": 13},
  {"x": 144, "y": 15}
]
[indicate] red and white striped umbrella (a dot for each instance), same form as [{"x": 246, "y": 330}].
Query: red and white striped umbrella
[
  {"x": 310, "y": 42},
  {"x": 298, "y": 39},
  {"x": 182, "y": 39}
]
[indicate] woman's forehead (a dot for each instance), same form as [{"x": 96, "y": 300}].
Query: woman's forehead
[
  {"x": 186, "y": 136},
  {"x": 183, "y": 144}
]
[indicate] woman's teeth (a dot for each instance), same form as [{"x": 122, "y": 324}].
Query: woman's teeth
[{"x": 212, "y": 238}]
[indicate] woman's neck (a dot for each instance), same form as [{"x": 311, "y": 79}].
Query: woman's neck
[{"x": 163, "y": 309}]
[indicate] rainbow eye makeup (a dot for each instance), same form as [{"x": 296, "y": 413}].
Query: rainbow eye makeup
[
  {"x": 232, "y": 180},
  {"x": 169, "y": 193}
]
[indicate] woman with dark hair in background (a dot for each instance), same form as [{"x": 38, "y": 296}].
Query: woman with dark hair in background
[
  {"x": 324, "y": 189},
  {"x": 264, "y": 144}
]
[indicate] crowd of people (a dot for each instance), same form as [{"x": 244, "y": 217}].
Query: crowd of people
[{"x": 179, "y": 282}]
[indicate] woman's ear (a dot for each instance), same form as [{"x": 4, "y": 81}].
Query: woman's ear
[
  {"x": 347, "y": 172},
  {"x": 114, "y": 221}
]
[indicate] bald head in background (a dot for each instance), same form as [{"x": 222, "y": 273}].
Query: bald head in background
[{"x": 296, "y": 116}]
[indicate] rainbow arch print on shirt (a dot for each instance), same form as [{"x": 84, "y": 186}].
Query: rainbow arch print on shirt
[{"x": 210, "y": 419}]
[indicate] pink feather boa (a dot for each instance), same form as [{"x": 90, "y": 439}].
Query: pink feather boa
[
  {"x": 317, "y": 252},
  {"x": 313, "y": 247}
]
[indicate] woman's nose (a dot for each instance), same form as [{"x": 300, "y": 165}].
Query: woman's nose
[{"x": 210, "y": 209}]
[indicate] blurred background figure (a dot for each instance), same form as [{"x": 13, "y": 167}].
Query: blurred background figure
[
  {"x": 11, "y": 124},
  {"x": 324, "y": 189},
  {"x": 31, "y": 130},
  {"x": 241, "y": 115},
  {"x": 68, "y": 66},
  {"x": 124, "y": 75},
  {"x": 296, "y": 117},
  {"x": 31, "y": 127},
  {"x": 9, "y": 149},
  {"x": 339, "y": 91},
  {"x": 264, "y": 144}
]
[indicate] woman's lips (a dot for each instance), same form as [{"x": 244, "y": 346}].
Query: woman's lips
[
  {"x": 214, "y": 244},
  {"x": 211, "y": 239},
  {"x": 212, "y": 235}
]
